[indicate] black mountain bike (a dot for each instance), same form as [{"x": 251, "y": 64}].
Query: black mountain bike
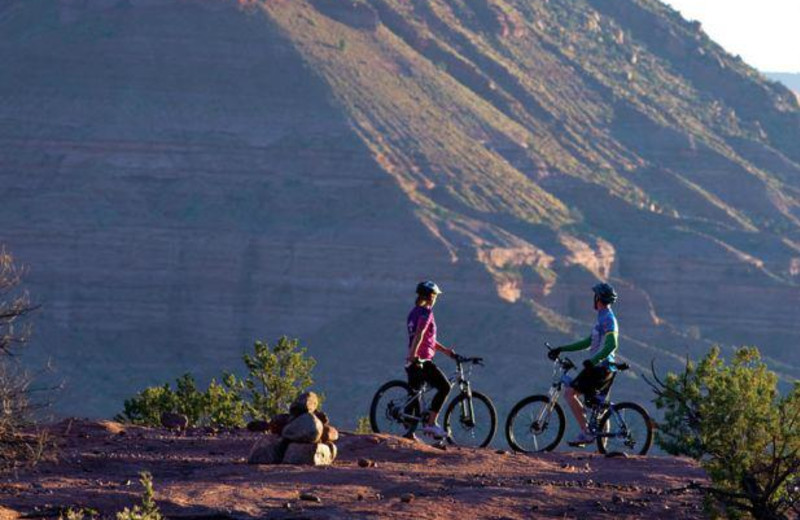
[
  {"x": 537, "y": 422},
  {"x": 469, "y": 420}
]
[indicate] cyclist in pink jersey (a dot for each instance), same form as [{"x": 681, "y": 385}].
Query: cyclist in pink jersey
[{"x": 422, "y": 346}]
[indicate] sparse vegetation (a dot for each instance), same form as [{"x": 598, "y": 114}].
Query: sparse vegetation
[
  {"x": 363, "y": 426},
  {"x": 147, "y": 510},
  {"x": 17, "y": 448},
  {"x": 275, "y": 377},
  {"x": 746, "y": 435}
]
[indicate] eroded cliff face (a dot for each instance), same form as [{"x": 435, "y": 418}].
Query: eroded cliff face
[{"x": 185, "y": 177}]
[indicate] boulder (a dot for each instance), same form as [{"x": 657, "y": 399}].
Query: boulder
[
  {"x": 279, "y": 422},
  {"x": 323, "y": 417},
  {"x": 174, "y": 421},
  {"x": 307, "y": 402},
  {"x": 305, "y": 428},
  {"x": 308, "y": 454},
  {"x": 329, "y": 434},
  {"x": 267, "y": 450},
  {"x": 334, "y": 450},
  {"x": 258, "y": 426}
]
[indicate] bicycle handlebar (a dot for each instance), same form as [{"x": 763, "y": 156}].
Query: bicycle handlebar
[{"x": 464, "y": 359}]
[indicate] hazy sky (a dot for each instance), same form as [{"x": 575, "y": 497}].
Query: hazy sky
[{"x": 766, "y": 33}]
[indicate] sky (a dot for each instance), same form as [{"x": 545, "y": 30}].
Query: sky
[{"x": 765, "y": 33}]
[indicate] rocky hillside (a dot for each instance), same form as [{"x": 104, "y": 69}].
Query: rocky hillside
[
  {"x": 200, "y": 476},
  {"x": 184, "y": 177}
]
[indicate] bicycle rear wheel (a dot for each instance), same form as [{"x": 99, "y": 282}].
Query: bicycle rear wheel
[
  {"x": 476, "y": 431},
  {"x": 534, "y": 426},
  {"x": 391, "y": 410},
  {"x": 625, "y": 428}
]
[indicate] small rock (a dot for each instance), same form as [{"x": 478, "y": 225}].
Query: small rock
[
  {"x": 366, "y": 463},
  {"x": 258, "y": 426},
  {"x": 501, "y": 452},
  {"x": 617, "y": 499},
  {"x": 279, "y": 422},
  {"x": 308, "y": 454},
  {"x": 307, "y": 402},
  {"x": 360, "y": 497},
  {"x": 407, "y": 497},
  {"x": 268, "y": 450},
  {"x": 174, "y": 421},
  {"x": 310, "y": 497},
  {"x": 304, "y": 428},
  {"x": 329, "y": 433}
]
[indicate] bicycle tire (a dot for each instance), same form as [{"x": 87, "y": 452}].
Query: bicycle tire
[
  {"x": 643, "y": 417},
  {"x": 476, "y": 397},
  {"x": 375, "y": 411},
  {"x": 513, "y": 418}
]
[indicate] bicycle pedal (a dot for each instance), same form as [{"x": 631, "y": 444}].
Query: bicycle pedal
[{"x": 579, "y": 444}]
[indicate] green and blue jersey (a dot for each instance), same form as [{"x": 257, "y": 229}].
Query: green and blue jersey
[{"x": 603, "y": 341}]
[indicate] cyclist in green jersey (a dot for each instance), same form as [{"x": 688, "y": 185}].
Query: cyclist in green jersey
[{"x": 598, "y": 370}]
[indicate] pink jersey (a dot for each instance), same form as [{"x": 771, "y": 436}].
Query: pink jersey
[{"x": 421, "y": 318}]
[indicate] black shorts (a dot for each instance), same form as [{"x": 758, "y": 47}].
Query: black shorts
[{"x": 593, "y": 381}]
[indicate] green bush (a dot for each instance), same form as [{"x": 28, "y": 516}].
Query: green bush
[
  {"x": 732, "y": 419},
  {"x": 275, "y": 377},
  {"x": 363, "y": 425},
  {"x": 148, "y": 510}
]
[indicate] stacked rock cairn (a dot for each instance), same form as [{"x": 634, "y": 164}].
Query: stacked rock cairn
[{"x": 302, "y": 436}]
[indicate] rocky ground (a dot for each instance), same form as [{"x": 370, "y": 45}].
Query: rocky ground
[{"x": 203, "y": 475}]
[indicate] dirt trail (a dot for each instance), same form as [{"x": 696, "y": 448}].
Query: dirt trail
[{"x": 203, "y": 476}]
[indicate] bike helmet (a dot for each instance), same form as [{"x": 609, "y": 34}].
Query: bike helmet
[
  {"x": 605, "y": 293},
  {"x": 427, "y": 288}
]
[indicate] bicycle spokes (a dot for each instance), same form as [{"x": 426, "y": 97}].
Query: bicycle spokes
[{"x": 625, "y": 428}]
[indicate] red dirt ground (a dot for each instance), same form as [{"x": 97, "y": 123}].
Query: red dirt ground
[{"x": 203, "y": 476}]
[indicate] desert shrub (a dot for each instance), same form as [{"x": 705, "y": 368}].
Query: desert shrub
[
  {"x": 275, "y": 377},
  {"x": 147, "y": 510},
  {"x": 746, "y": 435},
  {"x": 363, "y": 425},
  {"x": 224, "y": 404},
  {"x": 18, "y": 444},
  {"x": 15, "y": 306},
  {"x": 220, "y": 405},
  {"x": 146, "y": 407}
]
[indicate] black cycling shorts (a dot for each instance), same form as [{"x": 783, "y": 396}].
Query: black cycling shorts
[{"x": 593, "y": 381}]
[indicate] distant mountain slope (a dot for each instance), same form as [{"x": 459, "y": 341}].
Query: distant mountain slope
[{"x": 185, "y": 177}]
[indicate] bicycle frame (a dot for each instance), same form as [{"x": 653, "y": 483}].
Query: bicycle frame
[
  {"x": 458, "y": 378},
  {"x": 598, "y": 405}
]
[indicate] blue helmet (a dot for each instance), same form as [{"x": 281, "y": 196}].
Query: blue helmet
[
  {"x": 427, "y": 288},
  {"x": 605, "y": 293}
]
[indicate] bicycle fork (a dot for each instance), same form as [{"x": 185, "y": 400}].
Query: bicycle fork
[{"x": 467, "y": 409}]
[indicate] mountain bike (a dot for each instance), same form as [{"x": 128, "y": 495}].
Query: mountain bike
[
  {"x": 537, "y": 422},
  {"x": 469, "y": 420}
]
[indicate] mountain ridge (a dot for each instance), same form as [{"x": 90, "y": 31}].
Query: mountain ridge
[{"x": 196, "y": 176}]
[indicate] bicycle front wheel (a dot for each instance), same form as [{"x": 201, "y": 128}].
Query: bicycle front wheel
[
  {"x": 393, "y": 411},
  {"x": 625, "y": 428},
  {"x": 535, "y": 425},
  {"x": 471, "y": 422}
]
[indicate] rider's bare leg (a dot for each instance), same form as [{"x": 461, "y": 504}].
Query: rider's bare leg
[{"x": 576, "y": 407}]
